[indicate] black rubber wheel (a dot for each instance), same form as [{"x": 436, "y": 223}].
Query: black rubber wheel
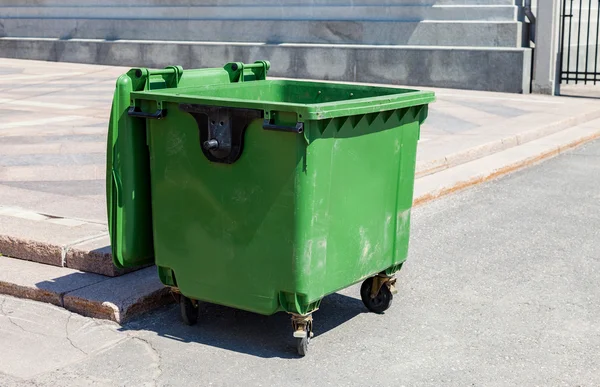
[
  {"x": 189, "y": 311},
  {"x": 381, "y": 302},
  {"x": 302, "y": 345}
]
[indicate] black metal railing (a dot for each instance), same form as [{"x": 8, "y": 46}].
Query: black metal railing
[{"x": 579, "y": 37}]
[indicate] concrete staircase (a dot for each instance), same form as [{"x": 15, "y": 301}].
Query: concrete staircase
[{"x": 472, "y": 44}]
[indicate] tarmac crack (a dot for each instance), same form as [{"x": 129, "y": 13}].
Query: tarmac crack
[
  {"x": 10, "y": 319},
  {"x": 69, "y": 338},
  {"x": 157, "y": 360}
]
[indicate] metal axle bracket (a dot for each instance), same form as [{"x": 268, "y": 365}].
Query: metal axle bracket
[
  {"x": 221, "y": 130},
  {"x": 302, "y": 325},
  {"x": 381, "y": 280}
]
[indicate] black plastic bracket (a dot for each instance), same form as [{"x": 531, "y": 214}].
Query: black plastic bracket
[
  {"x": 221, "y": 130},
  {"x": 136, "y": 112},
  {"x": 270, "y": 125}
]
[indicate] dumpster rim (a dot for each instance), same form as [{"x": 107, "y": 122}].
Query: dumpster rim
[{"x": 316, "y": 111}]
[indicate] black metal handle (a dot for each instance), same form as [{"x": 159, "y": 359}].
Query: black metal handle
[
  {"x": 269, "y": 125},
  {"x": 136, "y": 112}
]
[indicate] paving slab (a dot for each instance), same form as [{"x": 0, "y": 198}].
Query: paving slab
[
  {"x": 94, "y": 256},
  {"x": 43, "y": 339},
  {"x": 54, "y": 197},
  {"x": 89, "y": 255},
  {"x": 117, "y": 299},
  {"x": 120, "y": 298},
  {"x": 440, "y": 153},
  {"x": 439, "y": 184},
  {"x": 40, "y": 282},
  {"x": 580, "y": 90},
  {"x": 62, "y": 242},
  {"x": 42, "y": 240}
]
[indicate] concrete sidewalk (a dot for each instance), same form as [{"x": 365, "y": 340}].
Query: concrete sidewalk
[{"x": 52, "y": 153}]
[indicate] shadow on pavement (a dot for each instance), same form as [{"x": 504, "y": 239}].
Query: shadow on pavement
[
  {"x": 579, "y": 96},
  {"x": 245, "y": 332},
  {"x": 589, "y": 91}
]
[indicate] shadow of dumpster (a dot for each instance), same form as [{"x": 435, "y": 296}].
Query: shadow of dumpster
[{"x": 245, "y": 332}]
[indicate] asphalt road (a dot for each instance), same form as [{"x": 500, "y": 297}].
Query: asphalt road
[{"x": 501, "y": 288}]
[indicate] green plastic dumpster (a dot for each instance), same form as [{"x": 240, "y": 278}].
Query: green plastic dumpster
[{"x": 262, "y": 195}]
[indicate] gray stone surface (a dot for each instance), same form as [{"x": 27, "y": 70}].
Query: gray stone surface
[
  {"x": 66, "y": 188},
  {"x": 501, "y": 162},
  {"x": 41, "y": 240},
  {"x": 42, "y": 338},
  {"x": 257, "y": 2},
  {"x": 31, "y": 249},
  {"x": 497, "y": 138},
  {"x": 432, "y": 33},
  {"x": 40, "y": 190},
  {"x": 401, "y": 11},
  {"x": 547, "y": 52},
  {"x": 500, "y": 289},
  {"x": 120, "y": 298},
  {"x": 79, "y": 30},
  {"x": 452, "y": 67},
  {"x": 117, "y": 299},
  {"x": 589, "y": 91},
  {"x": 94, "y": 256},
  {"x": 41, "y": 282}
]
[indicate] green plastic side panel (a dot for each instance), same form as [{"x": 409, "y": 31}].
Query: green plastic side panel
[
  {"x": 227, "y": 231},
  {"x": 297, "y": 217},
  {"x": 127, "y": 164},
  {"x": 128, "y": 183},
  {"x": 353, "y": 218}
]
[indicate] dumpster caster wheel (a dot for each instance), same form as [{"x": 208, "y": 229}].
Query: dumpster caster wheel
[
  {"x": 302, "y": 332},
  {"x": 377, "y": 293},
  {"x": 189, "y": 310},
  {"x": 302, "y": 345}
]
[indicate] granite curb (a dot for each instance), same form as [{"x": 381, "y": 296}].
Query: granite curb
[
  {"x": 431, "y": 187},
  {"x": 428, "y": 167},
  {"x": 111, "y": 298}
]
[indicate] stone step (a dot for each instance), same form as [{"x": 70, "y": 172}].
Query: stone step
[
  {"x": 58, "y": 241},
  {"x": 175, "y": 3},
  {"x": 395, "y": 12},
  {"x": 500, "y": 163},
  {"x": 451, "y": 67},
  {"x": 117, "y": 299},
  {"x": 440, "y": 154},
  {"x": 428, "y": 33}
]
